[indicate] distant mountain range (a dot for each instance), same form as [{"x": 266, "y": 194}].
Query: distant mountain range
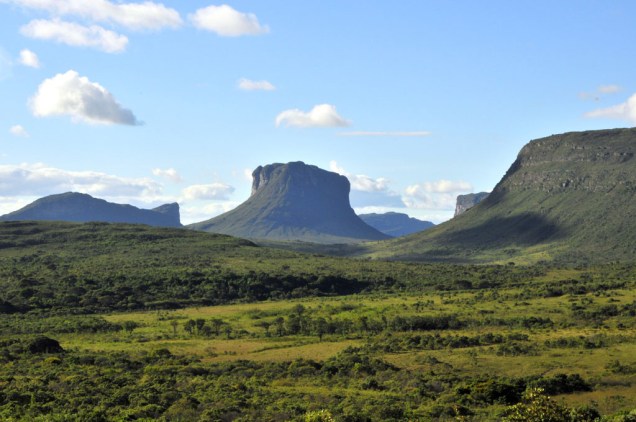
[
  {"x": 295, "y": 201},
  {"x": 79, "y": 207},
  {"x": 568, "y": 198},
  {"x": 395, "y": 224}
]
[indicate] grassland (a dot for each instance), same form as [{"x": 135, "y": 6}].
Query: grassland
[{"x": 370, "y": 357}]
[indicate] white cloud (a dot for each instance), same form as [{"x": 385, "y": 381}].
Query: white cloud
[
  {"x": 212, "y": 191},
  {"x": 438, "y": 195},
  {"x": 75, "y": 35},
  {"x": 137, "y": 16},
  {"x": 249, "y": 85},
  {"x": 609, "y": 89},
  {"x": 322, "y": 115},
  {"x": 72, "y": 95},
  {"x": 440, "y": 186},
  {"x": 195, "y": 214},
  {"x": 19, "y": 131},
  {"x": 39, "y": 179},
  {"x": 416, "y": 134},
  {"x": 624, "y": 111},
  {"x": 600, "y": 92},
  {"x": 361, "y": 182},
  {"x": 170, "y": 174},
  {"x": 227, "y": 22},
  {"x": 29, "y": 58}
]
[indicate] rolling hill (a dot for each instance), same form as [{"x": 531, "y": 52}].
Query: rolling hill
[{"x": 80, "y": 208}]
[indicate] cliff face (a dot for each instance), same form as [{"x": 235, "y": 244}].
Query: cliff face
[
  {"x": 568, "y": 197},
  {"x": 294, "y": 201},
  {"x": 466, "y": 202},
  {"x": 80, "y": 208}
]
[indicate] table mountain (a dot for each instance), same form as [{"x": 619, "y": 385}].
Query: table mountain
[
  {"x": 395, "y": 224},
  {"x": 295, "y": 201},
  {"x": 566, "y": 198},
  {"x": 80, "y": 207}
]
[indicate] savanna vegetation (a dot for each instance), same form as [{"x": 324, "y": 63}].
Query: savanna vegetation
[{"x": 110, "y": 322}]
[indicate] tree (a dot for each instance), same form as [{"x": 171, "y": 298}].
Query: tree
[
  {"x": 189, "y": 326},
  {"x": 174, "y": 324},
  {"x": 537, "y": 407},
  {"x": 217, "y": 323},
  {"x": 129, "y": 326}
]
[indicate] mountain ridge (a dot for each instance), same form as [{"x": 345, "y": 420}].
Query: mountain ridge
[{"x": 81, "y": 207}]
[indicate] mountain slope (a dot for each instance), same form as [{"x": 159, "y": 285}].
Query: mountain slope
[
  {"x": 294, "y": 201},
  {"x": 395, "y": 224},
  {"x": 79, "y": 208},
  {"x": 568, "y": 198}
]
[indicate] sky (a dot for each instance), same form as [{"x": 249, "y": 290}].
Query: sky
[{"x": 415, "y": 101}]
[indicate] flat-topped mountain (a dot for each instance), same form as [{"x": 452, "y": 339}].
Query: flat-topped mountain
[
  {"x": 466, "y": 202},
  {"x": 80, "y": 207},
  {"x": 295, "y": 201},
  {"x": 568, "y": 197},
  {"x": 395, "y": 224}
]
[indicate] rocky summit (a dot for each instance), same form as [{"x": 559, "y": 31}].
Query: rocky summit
[
  {"x": 295, "y": 201},
  {"x": 566, "y": 198},
  {"x": 80, "y": 208}
]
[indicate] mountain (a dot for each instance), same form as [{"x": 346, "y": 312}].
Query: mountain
[
  {"x": 466, "y": 202},
  {"x": 295, "y": 201},
  {"x": 80, "y": 207},
  {"x": 567, "y": 198},
  {"x": 395, "y": 224}
]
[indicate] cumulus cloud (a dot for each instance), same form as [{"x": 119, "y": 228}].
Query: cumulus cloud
[
  {"x": 227, "y": 22},
  {"x": 438, "y": 195},
  {"x": 361, "y": 182},
  {"x": 29, "y": 58},
  {"x": 249, "y": 85},
  {"x": 75, "y": 35},
  {"x": 416, "y": 134},
  {"x": 322, "y": 115},
  {"x": 170, "y": 174},
  {"x": 73, "y": 95},
  {"x": 212, "y": 191},
  {"x": 19, "y": 131},
  {"x": 137, "y": 16},
  {"x": 624, "y": 111},
  {"x": 39, "y": 179}
]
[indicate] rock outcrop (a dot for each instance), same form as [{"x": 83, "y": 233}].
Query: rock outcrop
[
  {"x": 294, "y": 201},
  {"x": 466, "y": 202},
  {"x": 80, "y": 208},
  {"x": 395, "y": 224}
]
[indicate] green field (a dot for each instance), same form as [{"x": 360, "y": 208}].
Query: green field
[{"x": 361, "y": 357}]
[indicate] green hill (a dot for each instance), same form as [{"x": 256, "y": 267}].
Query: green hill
[
  {"x": 566, "y": 198},
  {"x": 295, "y": 201},
  {"x": 80, "y": 208}
]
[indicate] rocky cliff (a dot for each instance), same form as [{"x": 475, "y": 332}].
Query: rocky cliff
[
  {"x": 466, "y": 202},
  {"x": 294, "y": 201},
  {"x": 79, "y": 207}
]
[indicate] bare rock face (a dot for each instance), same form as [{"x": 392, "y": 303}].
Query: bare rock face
[
  {"x": 466, "y": 202},
  {"x": 294, "y": 201},
  {"x": 80, "y": 208}
]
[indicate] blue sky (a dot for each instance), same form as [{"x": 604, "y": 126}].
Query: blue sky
[{"x": 414, "y": 101}]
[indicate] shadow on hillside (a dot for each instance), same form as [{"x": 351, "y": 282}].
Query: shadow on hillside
[{"x": 526, "y": 229}]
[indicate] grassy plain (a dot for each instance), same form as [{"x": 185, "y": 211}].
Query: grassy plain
[{"x": 592, "y": 335}]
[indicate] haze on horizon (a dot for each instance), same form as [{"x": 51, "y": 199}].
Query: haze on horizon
[{"x": 415, "y": 102}]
